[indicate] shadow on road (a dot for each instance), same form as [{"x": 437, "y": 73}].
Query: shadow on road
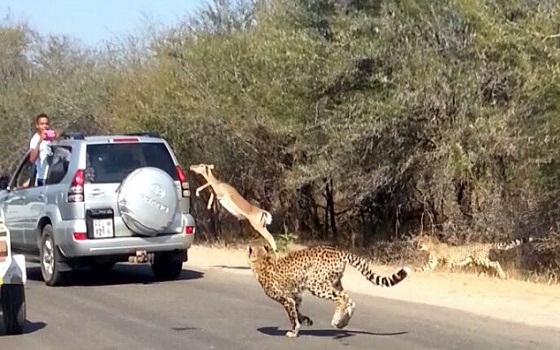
[
  {"x": 28, "y": 328},
  {"x": 182, "y": 329},
  {"x": 232, "y": 267},
  {"x": 331, "y": 333},
  {"x": 119, "y": 275}
]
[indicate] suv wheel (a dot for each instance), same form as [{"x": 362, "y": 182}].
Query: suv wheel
[
  {"x": 49, "y": 258},
  {"x": 167, "y": 266}
]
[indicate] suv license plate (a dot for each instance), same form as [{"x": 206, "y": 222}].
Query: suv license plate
[{"x": 103, "y": 228}]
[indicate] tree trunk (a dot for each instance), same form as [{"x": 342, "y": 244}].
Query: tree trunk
[{"x": 330, "y": 210}]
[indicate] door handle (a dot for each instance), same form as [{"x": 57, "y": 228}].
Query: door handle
[
  {"x": 97, "y": 192},
  {"x": 41, "y": 197}
]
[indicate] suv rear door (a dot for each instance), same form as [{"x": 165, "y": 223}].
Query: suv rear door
[{"x": 109, "y": 163}]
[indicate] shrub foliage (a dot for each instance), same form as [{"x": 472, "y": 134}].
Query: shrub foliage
[{"x": 352, "y": 121}]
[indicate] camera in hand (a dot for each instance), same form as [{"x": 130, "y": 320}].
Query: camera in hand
[{"x": 49, "y": 135}]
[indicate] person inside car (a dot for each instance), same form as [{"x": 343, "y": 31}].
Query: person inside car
[{"x": 40, "y": 149}]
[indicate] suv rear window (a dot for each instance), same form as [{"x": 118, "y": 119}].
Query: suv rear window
[{"x": 112, "y": 162}]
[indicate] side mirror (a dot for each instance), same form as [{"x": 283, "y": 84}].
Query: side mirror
[{"x": 4, "y": 183}]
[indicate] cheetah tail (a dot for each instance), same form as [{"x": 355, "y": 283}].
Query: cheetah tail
[
  {"x": 363, "y": 265},
  {"x": 511, "y": 244}
]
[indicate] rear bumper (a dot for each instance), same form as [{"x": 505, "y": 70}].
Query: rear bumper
[
  {"x": 125, "y": 245},
  {"x": 72, "y": 248}
]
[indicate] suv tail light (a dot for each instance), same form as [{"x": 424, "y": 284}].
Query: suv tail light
[
  {"x": 76, "y": 189},
  {"x": 80, "y": 236},
  {"x": 185, "y": 189}
]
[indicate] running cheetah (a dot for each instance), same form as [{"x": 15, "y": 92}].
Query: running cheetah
[
  {"x": 459, "y": 256},
  {"x": 318, "y": 270}
]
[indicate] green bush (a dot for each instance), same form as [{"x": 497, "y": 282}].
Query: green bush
[{"x": 351, "y": 122}]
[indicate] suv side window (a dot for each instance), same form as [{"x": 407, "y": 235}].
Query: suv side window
[
  {"x": 23, "y": 177},
  {"x": 59, "y": 164}
]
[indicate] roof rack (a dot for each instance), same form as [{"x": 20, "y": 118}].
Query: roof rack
[
  {"x": 73, "y": 136},
  {"x": 144, "y": 133}
]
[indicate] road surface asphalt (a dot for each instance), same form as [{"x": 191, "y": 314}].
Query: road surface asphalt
[{"x": 217, "y": 309}]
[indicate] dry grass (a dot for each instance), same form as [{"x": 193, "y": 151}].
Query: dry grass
[
  {"x": 537, "y": 263},
  {"x": 229, "y": 243}
]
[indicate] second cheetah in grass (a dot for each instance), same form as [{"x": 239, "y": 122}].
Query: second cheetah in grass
[{"x": 459, "y": 256}]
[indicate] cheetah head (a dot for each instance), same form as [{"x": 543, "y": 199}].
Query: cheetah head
[
  {"x": 425, "y": 243},
  {"x": 258, "y": 253}
]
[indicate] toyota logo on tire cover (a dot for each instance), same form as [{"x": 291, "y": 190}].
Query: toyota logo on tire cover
[{"x": 157, "y": 190}]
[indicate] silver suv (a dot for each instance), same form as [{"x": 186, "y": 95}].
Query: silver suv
[{"x": 106, "y": 199}]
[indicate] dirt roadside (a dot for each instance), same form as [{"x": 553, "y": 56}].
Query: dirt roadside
[{"x": 511, "y": 300}]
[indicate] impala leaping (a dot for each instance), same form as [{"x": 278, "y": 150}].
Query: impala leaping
[{"x": 234, "y": 203}]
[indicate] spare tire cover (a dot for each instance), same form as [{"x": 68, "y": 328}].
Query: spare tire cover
[{"x": 147, "y": 201}]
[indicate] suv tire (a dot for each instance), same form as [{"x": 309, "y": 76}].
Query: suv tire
[
  {"x": 166, "y": 266},
  {"x": 50, "y": 256},
  {"x": 13, "y": 307}
]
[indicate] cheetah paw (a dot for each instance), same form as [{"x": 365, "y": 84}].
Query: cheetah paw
[
  {"x": 350, "y": 308},
  {"x": 291, "y": 334},
  {"x": 342, "y": 321}
]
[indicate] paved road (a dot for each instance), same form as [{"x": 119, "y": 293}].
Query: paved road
[{"x": 221, "y": 310}]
